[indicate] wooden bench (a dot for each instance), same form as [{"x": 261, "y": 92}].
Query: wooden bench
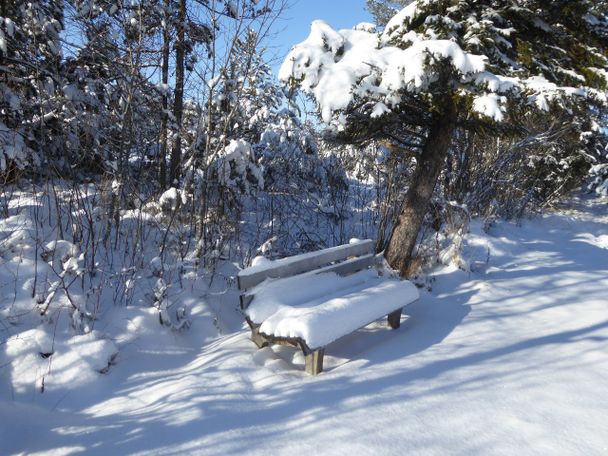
[{"x": 317, "y": 297}]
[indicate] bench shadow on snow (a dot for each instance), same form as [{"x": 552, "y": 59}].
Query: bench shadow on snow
[{"x": 424, "y": 323}]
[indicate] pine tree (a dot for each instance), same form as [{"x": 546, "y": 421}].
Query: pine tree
[
  {"x": 384, "y": 10},
  {"x": 444, "y": 65}
]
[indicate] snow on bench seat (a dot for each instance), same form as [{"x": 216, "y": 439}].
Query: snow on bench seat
[
  {"x": 272, "y": 294},
  {"x": 320, "y": 308}
]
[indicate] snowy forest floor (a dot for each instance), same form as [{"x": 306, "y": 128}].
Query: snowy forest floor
[{"x": 510, "y": 358}]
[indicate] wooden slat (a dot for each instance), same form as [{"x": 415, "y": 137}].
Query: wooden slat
[
  {"x": 298, "y": 264},
  {"x": 349, "y": 266}
]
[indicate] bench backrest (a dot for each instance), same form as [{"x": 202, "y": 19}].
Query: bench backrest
[{"x": 342, "y": 259}]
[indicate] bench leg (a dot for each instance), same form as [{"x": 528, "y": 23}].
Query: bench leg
[
  {"x": 314, "y": 362},
  {"x": 394, "y": 319},
  {"x": 257, "y": 338}
]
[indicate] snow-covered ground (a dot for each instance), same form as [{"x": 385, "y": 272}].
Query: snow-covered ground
[{"x": 510, "y": 358}]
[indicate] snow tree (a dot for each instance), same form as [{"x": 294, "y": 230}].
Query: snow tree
[
  {"x": 30, "y": 55},
  {"x": 444, "y": 65},
  {"x": 245, "y": 94},
  {"x": 220, "y": 26}
]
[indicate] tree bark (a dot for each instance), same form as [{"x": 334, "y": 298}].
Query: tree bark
[
  {"x": 178, "y": 104},
  {"x": 430, "y": 163},
  {"x": 162, "y": 156}
]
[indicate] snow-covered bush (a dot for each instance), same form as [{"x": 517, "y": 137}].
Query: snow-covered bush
[
  {"x": 512, "y": 175},
  {"x": 303, "y": 205},
  {"x": 30, "y": 49},
  {"x": 599, "y": 179},
  {"x": 13, "y": 150},
  {"x": 235, "y": 169}
]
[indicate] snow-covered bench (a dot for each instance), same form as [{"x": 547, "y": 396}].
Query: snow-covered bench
[{"x": 310, "y": 300}]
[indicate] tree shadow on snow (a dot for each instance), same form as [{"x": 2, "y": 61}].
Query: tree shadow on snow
[
  {"x": 213, "y": 396},
  {"x": 232, "y": 398}
]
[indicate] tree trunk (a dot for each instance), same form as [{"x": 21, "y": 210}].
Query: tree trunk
[
  {"x": 178, "y": 104},
  {"x": 431, "y": 160},
  {"x": 162, "y": 155}
]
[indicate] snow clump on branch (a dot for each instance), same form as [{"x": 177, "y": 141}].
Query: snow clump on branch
[{"x": 346, "y": 68}]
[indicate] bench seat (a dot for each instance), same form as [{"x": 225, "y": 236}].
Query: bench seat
[{"x": 351, "y": 303}]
